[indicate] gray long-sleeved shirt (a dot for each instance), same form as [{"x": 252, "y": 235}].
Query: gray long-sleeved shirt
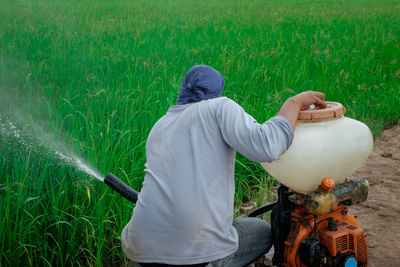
[{"x": 184, "y": 212}]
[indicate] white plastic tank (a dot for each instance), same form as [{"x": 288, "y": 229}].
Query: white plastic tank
[{"x": 325, "y": 144}]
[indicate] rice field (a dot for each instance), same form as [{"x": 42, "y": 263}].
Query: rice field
[{"x": 92, "y": 77}]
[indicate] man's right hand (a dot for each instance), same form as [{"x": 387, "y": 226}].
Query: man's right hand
[
  {"x": 293, "y": 105},
  {"x": 308, "y": 98}
]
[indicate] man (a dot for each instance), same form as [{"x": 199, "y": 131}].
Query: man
[{"x": 184, "y": 214}]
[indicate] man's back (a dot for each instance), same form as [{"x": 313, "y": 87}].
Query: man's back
[{"x": 185, "y": 209}]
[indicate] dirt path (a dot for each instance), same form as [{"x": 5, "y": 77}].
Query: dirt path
[{"x": 379, "y": 216}]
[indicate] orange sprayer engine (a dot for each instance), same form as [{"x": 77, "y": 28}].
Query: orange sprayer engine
[{"x": 317, "y": 229}]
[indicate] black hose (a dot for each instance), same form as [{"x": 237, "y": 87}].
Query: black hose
[
  {"x": 263, "y": 209},
  {"x": 123, "y": 189}
]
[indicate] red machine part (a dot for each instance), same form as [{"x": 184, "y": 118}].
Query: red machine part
[{"x": 348, "y": 237}]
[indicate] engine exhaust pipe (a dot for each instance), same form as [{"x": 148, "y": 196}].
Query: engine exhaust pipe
[{"x": 123, "y": 189}]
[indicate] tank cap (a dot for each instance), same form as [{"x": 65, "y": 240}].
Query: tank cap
[
  {"x": 334, "y": 110},
  {"x": 327, "y": 184}
]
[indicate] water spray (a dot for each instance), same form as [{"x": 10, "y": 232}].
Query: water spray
[
  {"x": 123, "y": 189},
  {"x": 7, "y": 128}
]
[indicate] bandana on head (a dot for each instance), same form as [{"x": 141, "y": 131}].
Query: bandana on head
[{"x": 201, "y": 82}]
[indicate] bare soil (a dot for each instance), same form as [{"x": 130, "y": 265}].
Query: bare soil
[{"x": 379, "y": 216}]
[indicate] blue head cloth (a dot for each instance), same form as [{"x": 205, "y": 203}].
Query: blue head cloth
[{"x": 201, "y": 82}]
